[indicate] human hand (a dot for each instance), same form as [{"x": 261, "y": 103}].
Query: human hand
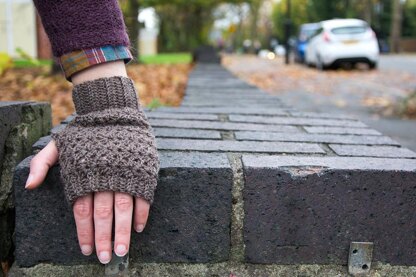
[{"x": 94, "y": 212}]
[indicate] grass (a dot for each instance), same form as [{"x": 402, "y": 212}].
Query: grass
[
  {"x": 27, "y": 63},
  {"x": 167, "y": 58}
]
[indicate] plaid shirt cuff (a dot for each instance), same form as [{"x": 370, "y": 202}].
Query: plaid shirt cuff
[{"x": 76, "y": 61}]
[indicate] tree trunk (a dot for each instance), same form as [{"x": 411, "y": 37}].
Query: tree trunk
[
  {"x": 396, "y": 26},
  {"x": 133, "y": 26},
  {"x": 368, "y": 6}
]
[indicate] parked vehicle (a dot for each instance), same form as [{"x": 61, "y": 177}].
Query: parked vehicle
[
  {"x": 305, "y": 32},
  {"x": 341, "y": 41}
]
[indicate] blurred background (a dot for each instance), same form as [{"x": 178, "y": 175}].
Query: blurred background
[{"x": 304, "y": 50}]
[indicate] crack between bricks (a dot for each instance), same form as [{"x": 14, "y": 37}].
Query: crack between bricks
[{"x": 237, "y": 215}]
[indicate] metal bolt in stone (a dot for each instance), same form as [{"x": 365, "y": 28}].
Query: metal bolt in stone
[{"x": 359, "y": 260}]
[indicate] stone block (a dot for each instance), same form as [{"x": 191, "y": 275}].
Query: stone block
[
  {"x": 315, "y": 138},
  {"x": 297, "y": 121},
  {"x": 185, "y": 224},
  {"x": 224, "y": 110},
  {"x": 341, "y": 131},
  {"x": 192, "y": 116},
  {"x": 237, "y": 146},
  {"x": 193, "y": 124},
  {"x": 307, "y": 210},
  {"x": 372, "y": 151}
]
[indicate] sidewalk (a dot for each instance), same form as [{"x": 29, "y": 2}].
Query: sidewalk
[{"x": 246, "y": 181}]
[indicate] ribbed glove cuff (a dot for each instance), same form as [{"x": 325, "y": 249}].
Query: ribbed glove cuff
[{"x": 104, "y": 93}]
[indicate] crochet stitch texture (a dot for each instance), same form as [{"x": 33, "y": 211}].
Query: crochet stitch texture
[{"x": 109, "y": 145}]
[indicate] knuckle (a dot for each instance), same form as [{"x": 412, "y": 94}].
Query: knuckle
[
  {"x": 103, "y": 238},
  {"x": 123, "y": 231},
  {"x": 104, "y": 212},
  {"x": 82, "y": 209},
  {"x": 124, "y": 203},
  {"x": 84, "y": 234}
]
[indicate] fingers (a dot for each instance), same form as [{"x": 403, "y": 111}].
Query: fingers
[
  {"x": 123, "y": 206},
  {"x": 83, "y": 211},
  {"x": 141, "y": 213},
  {"x": 103, "y": 221},
  {"x": 40, "y": 165}
]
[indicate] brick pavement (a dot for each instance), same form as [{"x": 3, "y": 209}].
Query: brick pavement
[{"x": 245, "y": 178}]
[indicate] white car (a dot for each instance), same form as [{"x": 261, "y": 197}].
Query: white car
[{"x": 340, "y": 41}]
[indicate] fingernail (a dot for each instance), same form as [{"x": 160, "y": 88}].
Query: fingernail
[
  {"x": 104, "y": 257},
  {"x": 29, "y": 179},
  {"x": 86, "y": 250},
  {"x": 139, "y": 228},
  {"x": 121, "y": 250}
]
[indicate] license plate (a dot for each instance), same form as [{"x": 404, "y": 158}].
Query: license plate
[{"x": 350, "y": 41}]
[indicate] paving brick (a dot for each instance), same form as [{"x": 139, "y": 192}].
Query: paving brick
[
  {"x": 224, "y": 110},
  {"x": 238, "y": 146},
  {"x": 307, "y": 210},
  {"x": 192, "y": 116},
  {"x": 41, "y": 143},
  {"x": 372, "y": 151},
  {"x": 193, "y": 124},
  {"x": 185, "y": 225},
  {"x": 341, "y": 131},
  {"x": 223, "y": 103},
  {"x": 296, "y": 121},
  {"x": 318, "y": 138},
  {"x": 321, "y": 115},
  {"x": 186, "y": 133}
]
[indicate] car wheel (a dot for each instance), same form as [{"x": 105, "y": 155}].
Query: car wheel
[
  {"x": 319, "y": 64},
  {"x": 372, "y": 66}
]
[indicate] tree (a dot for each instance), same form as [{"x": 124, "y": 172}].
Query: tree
[{"x": 396, "y": 26}]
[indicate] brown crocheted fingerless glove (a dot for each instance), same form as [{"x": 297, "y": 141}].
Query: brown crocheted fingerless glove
[{"x": 109, "y": 145}]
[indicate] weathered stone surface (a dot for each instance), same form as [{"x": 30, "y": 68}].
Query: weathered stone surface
[
  {"x": 238, "y": 146},
  {"x": 309, "y": 209},
  {"x": 193, "y": 124},
  {"x": 341, "y": 131},
  {"x": 185, "y": 224},
  {"x": 372, "y": 151},
  {"x": 296, "y": 121},
  {"x": 318, "y": 138},
  {"x": 41, "y": 143},
  {"x": 211, "y": 269},
  {"x": 224, "y": 110},
  {"x": 352, "y": 163},
  {"x": 223, "y": 103},
  {"x": 320, "y": 115},
  {"x": 182, "y": 116},
  {"x": 186, "y": 133},
  {"x": 21, "y": 124}
]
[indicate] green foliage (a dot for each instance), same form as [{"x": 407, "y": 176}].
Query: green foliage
[
  {"x": 6, "y": 62},
  {"x": 184, "y": 24},
  {"x": 377, "y": 12},
  {"x": 167, "y": 58},
  {"x": 26, "y": 57},
  {"x": 154, "y": 104}
]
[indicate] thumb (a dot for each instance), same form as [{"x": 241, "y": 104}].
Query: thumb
[{"x": 40, "y": 164}]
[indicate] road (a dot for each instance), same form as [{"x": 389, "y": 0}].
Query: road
[
  {"x": 405, "y": 63},
  {"x": 367, "y": 95}
]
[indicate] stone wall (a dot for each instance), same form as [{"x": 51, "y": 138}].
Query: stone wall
[
  {"x": 249, "y": 187},
  {"x": 21, "y": 125}
]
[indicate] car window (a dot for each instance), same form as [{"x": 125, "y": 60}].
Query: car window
[
  {"x": 307, "y": 33},
  {"x": 316, "y": 32},
  {"x": 349, "y": 30}
]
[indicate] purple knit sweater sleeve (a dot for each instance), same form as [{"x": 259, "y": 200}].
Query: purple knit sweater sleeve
[{"x": 80, "y": 24}]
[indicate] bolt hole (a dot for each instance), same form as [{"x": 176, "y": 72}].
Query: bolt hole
[
  {"x": 355, "y": 251},
  {"x": 365, "y": 267}
]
